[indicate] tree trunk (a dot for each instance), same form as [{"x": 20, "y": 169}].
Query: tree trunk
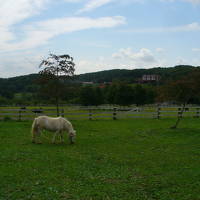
[
  {"x": 179, "y": 117},
  {"x": 57, "y": 107},
  {"x": 57, "y": 98}
]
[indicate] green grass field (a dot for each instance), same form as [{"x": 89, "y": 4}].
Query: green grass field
[{"x": 139, "y": 159}]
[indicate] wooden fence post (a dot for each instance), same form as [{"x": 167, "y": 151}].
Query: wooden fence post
[
  {"x": 90, "y": 114},
  {"x": 114, "y": 113},
  {"x": 179, "y": 113},
  {"x": 197, "y": 113},
  {"x": 63, "y": 113},
  {"x": 19, "y": 116},
  {"x": 158, "y": 112}
]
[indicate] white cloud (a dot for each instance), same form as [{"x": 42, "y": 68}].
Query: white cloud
[
  {"x": 193, "y": 1},
  {"x": 13, "y": 12},
  {"x": 19, "y": 63},
  {"x": 72, "y": 1},
  {"x": 99, "y": 64},
  {"x": 122, "y": 59},
  {"x": 190, "y": 1},
  {"x": 196, "y": 49},
  {"x": 181, "y": 61},
  {"x": 144, "y": 56},
  {"x": 15, "y": 37},
  {"x": 93, "y": 4},
  {"x": 195, "y": 26},
  {"x": 85, "y": 66},
  {"x": 39, "y": 33},
  {"x": 160, "y": 50},
  {"x": 196, "y": 62}
]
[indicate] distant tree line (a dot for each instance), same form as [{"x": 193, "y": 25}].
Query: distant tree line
[
  {"x": 29, "y": 90},
  {"x": 118, "y": 93}
]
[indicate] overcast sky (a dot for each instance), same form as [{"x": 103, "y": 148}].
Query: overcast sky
[{"x": 99, "y": 34}]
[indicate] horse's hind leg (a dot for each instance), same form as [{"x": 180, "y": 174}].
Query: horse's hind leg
[
  {"x": 33, "y": 138},
  {"x": 36, "y": 137}
]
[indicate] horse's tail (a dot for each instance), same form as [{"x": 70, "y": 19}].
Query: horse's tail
[{"x": 34, "y": 129}]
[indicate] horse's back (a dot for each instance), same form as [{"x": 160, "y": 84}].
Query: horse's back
[
  {"x": 47, "y": 118},
  {"x": 50, "y": 123}
]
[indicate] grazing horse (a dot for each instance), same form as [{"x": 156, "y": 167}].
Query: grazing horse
[{"x": 57, "y": 125}]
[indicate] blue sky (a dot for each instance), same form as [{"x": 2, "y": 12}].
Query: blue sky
[{"x": 99, "y": 34}]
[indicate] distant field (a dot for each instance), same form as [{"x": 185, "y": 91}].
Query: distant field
[{"x": 138, "y": 159}]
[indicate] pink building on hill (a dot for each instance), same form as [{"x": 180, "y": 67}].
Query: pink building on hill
[{"x": 150, "y": 78}]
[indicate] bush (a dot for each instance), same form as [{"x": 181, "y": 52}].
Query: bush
[{"x": 7, "y": 118}]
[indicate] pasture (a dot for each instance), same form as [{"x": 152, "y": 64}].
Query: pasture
[{"x": 133, "y": 159}]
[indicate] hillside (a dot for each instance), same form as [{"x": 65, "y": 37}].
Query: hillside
[
  {"x": 9, "y": 86},
  {"x": 133, "y": 75},
  {"x": 27, "y": 83}
]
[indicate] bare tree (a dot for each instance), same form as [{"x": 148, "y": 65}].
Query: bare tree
[
  {"x": 182, "y": 91},
  {"x": 54, "y": 71}
]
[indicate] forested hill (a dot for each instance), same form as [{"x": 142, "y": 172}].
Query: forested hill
[
  {"x": 133, "y": 75},
  {"x": 9, "y": 86},
  {"x": 27, "y": 83}
]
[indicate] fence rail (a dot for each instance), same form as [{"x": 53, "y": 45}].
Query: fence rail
[{"x": 90, "y": 113}]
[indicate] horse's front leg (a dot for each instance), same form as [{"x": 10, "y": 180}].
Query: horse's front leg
[
  {"x": 61, "y": 137},
  {"x": 54, "y": 137}
]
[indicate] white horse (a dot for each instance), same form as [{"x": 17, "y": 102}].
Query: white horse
[{"x": 57, "y": 125}]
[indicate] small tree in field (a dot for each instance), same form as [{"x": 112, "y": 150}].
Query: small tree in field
[
  {"x": 55, "y": 70},
  {"x": 182, "y": 91}
]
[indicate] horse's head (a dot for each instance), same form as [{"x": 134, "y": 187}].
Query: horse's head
[{"x": 72, "y": 135}]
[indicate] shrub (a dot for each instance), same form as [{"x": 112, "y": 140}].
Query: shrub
[{"x": 7, "y": 118}]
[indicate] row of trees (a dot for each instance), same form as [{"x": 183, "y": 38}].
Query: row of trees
[{"x": 117, "y": 93}]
